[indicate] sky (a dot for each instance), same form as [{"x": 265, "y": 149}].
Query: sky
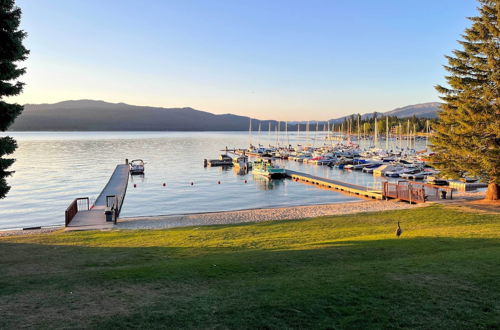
[{"x": 278, "y": 59}]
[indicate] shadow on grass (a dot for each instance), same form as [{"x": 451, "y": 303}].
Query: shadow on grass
[{"x": 418, "y": 282}]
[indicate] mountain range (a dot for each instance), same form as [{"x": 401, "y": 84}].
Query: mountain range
[{"x": 90, "y": 115}]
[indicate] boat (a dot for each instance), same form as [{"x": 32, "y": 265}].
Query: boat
[
  {"x": 242, "y": 162},
  {"x": 414, "y": 175},
  {"x": 137, "y": 166},
  {"x": 436, "y": 181},
  {"x": 267, "y": 169},
  {"x": 398, "y": 171},
  {"x": 380, "y": 171},
  {"x": 224, "y": 160},
  {"x": 371, "y": 167}
]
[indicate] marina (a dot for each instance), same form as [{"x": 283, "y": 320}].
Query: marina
[{"x": 174, "y": 183}]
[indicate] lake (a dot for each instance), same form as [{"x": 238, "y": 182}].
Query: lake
[{"x": 53, "y": 168}]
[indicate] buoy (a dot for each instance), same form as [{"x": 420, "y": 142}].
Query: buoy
[
  {"x": 192, "y": 183},
  {"x": 245, "y": 181},
  {"x": 135, "y": 185},
  {"x": 164, "y": 184},
  {"x": 218, "y": 182}
]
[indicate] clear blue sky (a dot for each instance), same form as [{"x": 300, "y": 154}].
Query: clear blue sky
[{"x": 280, "y": 59}]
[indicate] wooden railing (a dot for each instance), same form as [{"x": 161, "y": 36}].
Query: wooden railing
[
  {"x": 404, "y": 191},
  {"x": 79, "y": 204},
  {"x": 415, "y": 192}
]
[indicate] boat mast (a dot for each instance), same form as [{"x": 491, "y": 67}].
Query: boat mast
[
  {"x": 287, "y": 137},
  {"x": 375, "y": 134},
  {"x": 400, "y": 136},
  {"x": 258, "y": 141},
  {"x": 269, "y": 134},
  {"x": 307, "y": 133},
  {"x": 316, "y": 134},
  {"x": 348, "y": 130},
  {"x": 328, "y": 132},
  {"x": 427, "y": 134},
  {"x": 250, "y": 133},
  {"x": 415, "y": 136},
  {"x": 386, "y": 132},
  {"x": 277, "y": 134},
  {"x": 359, "y": 131},
  {"x": 408, "y": 136}
]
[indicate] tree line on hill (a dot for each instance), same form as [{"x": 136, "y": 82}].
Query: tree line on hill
[{"x": 396, "y": 125}]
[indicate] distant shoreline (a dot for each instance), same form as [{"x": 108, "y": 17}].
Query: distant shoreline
[{"x": 91, "y": 115}]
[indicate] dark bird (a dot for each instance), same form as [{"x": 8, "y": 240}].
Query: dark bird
[{"x": 399, "y": 231}]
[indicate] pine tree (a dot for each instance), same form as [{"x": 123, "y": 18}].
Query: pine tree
[
  {"x": 11, "y": 51},
  {"x": 467, "y": 136}
]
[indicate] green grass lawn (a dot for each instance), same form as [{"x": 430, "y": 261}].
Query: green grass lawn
[{"x": 329, "y": 272}]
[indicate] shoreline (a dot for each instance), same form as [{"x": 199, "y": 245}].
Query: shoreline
[
  {"x": 254, "y": 215},
  {"x": 260, "y": 214}
]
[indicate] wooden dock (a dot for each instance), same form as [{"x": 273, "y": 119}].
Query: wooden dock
[
  {"x": 334, "y": 184},
  {"x": 110, "y": 199}
]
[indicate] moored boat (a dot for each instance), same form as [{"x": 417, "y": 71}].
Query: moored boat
[
  {"x": 224, "y": 160},
  {"x": 242, "y": 162},
  {"x": 267, "y": 169},
  {"x": 137, "y": 166}
]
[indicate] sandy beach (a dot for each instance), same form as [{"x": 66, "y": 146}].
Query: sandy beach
[
  {"x": 260, "y": 215},
  {"x": 264, "y": 214}
]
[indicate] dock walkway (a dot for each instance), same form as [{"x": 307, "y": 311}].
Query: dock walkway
[
  {"x": 334, "y": 184},
  {"x": 95, "y": 218}
]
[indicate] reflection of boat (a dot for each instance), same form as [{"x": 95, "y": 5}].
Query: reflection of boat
[
  {"x": 263, "y": 183},
  {"x": 240, "y": 171},
  {"x": 242, "y": 162},
  {"x": 267, "y": 169},
  {"x": 137, "y": 166}
]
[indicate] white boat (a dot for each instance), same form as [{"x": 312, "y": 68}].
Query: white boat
[
  {"x": 137, "y": 166},
  {"x": 242, "y": 162},
  {"x": 398, "y": 171},
  {"x": 415, "y": 175}
]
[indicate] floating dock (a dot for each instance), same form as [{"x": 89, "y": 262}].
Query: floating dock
[
  {"x": 81, "y": 216},
  {"x": 334, "y": 184}
]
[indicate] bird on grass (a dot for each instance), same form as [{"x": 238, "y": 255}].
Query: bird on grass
[{"x": 399, "y": 231}]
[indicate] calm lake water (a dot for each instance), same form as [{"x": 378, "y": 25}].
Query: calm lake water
[{"x": 53, "y": 168}]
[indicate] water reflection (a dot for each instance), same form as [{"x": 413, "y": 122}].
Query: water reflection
[
  {"x": 264, "y": 183},
  {"x": 76, "y": 164},
  {"x": 240, "y": 171},
  {"x": 137, "y": 178}
]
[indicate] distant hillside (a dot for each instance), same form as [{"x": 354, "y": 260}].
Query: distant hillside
[
  {"x": 89, "y": 115},
  {"x": 422, "y": 110}
]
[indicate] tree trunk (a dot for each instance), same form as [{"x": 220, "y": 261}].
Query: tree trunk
[{"x": 493, "y": 192}]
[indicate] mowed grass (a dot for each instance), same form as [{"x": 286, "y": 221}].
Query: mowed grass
[{"x": 329, "y": 272}]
